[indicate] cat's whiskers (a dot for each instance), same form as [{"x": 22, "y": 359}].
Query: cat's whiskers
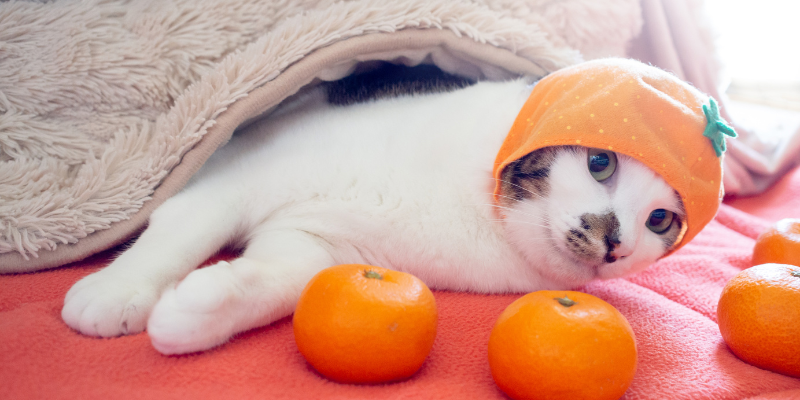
[
  {"x": 537, "y": 217},
  {"x": 528, "y": 240},
  {"x": 514, "y": 184},
  {"x": 519, "y": 222},
  {"x": 510, "y": 198}
]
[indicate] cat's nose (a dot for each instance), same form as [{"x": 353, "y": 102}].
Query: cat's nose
[
  {"x": 612, "y": 243},
  {"x": 615, "y": 249}
]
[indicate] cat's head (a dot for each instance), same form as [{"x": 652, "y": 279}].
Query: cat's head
[{"x": 578, "y": 213}]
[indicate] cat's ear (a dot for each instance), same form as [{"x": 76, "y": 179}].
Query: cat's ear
[
  {"x": 528, "y": 176},
  {"x": 537, "y": 163},
  {"x": 510, "y": 191}
]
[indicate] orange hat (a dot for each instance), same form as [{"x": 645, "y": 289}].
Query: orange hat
[{"x": 632, "y": 109}]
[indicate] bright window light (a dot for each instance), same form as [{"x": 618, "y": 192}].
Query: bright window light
[{"x": 759, "y": 45}]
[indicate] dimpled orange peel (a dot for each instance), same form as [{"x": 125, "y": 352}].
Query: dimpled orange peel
[
  {"x": 759, "y": 317},
  {"x": 365, "y": 324},
  {"x": 562, "y": 345},
  {"x": 780, "y": 243}
]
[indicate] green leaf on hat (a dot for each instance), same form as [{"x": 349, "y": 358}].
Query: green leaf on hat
[{"x": 717, "y": 128}]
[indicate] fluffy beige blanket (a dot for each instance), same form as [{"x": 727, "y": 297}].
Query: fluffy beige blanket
[{"x": 109, "y": 106}]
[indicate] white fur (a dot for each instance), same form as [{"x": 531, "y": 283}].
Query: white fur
[
  {"x": 402, "y": 183},
  {"x": 632, "y": 193}
]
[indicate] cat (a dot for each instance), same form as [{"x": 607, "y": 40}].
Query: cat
[{"x": 403, "y": 182}]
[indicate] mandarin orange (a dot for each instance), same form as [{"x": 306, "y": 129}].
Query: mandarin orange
[
  {"x": 779, "y": 244},
  {"x": 365, "y": 324},
  {"x": 759, "y": 317},
  {"x": 562, "y": 345}
]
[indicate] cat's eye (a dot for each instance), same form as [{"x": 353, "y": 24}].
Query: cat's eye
[
  {"x": 660, "y": 220},
  {"x": 602, "y": 164}
]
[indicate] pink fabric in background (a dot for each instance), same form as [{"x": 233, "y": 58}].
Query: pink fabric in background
[
  {"x": 678, "y": 36},
  {"x": 671, "y": 306}
]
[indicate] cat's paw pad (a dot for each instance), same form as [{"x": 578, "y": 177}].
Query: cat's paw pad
[
  {"x": 105, "y": 304},
  {"x": 196, "y": 315}
]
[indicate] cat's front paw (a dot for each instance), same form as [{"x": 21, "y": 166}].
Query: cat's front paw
[
  {"x": 108, "y": 304},
  {"x": 198, "y": 314}
]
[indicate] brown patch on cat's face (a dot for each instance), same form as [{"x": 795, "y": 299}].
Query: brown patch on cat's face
[
  {"x": 527, "y": 177},
  {"x": 596, "y": 237}
]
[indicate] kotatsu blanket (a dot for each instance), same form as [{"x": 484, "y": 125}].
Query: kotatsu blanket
[{"x": 108, "y": 107}]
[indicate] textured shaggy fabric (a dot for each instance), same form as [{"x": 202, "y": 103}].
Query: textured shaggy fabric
[
  {"x": 109, "y": 106},
  {"x": 671, "y": 307}
]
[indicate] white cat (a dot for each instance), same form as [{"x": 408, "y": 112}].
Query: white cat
[{"x": 404, "y": 183}]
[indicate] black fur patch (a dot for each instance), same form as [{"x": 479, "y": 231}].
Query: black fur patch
[
  {"x": 390, "y": 80},
  {"x": 528, "y": 176}
]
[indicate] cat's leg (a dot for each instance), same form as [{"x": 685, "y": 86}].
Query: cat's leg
[
  {"x": 182, "y": 233},
  {"x": 214, "y": 303}
]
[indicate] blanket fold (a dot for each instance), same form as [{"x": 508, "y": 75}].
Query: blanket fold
[{"x": 109, "y": 106}]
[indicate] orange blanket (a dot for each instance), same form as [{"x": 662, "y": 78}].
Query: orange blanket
[{"x": 671, "y": 306}]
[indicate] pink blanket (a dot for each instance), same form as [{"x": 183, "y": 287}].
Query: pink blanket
[{"x": 671, "y": 306}]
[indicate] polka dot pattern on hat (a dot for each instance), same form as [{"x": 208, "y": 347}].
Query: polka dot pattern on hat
[{"x": 632, "y": 109}]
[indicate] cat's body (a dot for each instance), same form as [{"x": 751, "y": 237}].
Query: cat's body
[
  {"x": 404, "y": 183},
  {"x": 381, "y": 188}
]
